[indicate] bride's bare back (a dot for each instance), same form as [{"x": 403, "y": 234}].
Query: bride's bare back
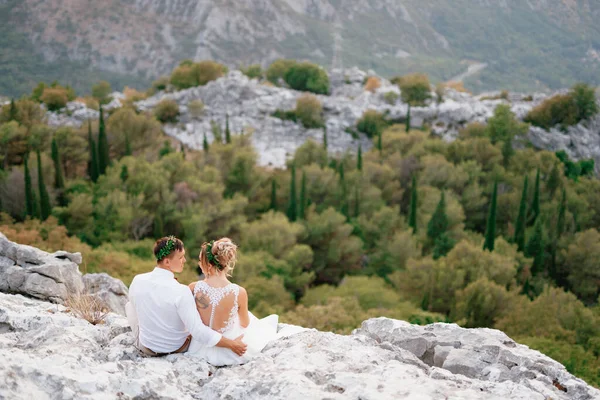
[{"x": 219, "y": 307}]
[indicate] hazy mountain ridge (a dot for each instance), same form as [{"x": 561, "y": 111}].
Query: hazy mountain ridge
[{"x": 538, "y": 44}]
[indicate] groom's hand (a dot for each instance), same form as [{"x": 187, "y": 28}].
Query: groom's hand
[{"x": 237, "y": 346}]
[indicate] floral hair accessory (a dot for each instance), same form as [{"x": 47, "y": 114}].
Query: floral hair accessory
[
  {"x": 167, "y": 249},
  {"x": 211, "y": 257}
]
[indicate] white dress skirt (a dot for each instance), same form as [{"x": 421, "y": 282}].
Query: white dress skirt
[{"x": 257, "y": 335}]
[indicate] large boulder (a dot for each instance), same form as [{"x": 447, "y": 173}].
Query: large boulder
[
  {"x": 47, "y": 353},
  {"x": 483, "y": 354},
  {"x": 111, "y": 291},
  {"x": 36, "y": 273}
]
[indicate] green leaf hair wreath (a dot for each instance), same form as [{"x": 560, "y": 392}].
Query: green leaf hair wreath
[
  {"x": 211, "y": 257},
  {"x": 167, "y": 249}
]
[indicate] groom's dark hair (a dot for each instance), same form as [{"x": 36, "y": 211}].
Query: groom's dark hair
[{"x": 166, "y": 246}]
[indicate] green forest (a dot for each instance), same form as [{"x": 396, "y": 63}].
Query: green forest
[{"x": 474, "y": 232}]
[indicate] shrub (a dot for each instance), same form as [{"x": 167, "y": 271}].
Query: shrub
[
  {"x": 101, "y": 92},
  {"x": 559, "y": 109},
  {"x": 372, "y": 84},
  {"x": 196, "y": 108},
  {"x": 309, "y": 111},
  {"x": 371, "y": 123},
  {"x": 161, "y": 83},
  {"x": 189, "y": 74},
  {"x": 278, "y": 69},
  {"x": 253, "y": 71},
  {"x": 415, "y": 88},
  {"x": 167, "y": 111},
  {"x": 182, "y": 77},
  {"x": 286, "y": 115},
  {"x": 206, "y": 71},
  {"x": 54, "y": 98},
  {"x": 584, "y": 98},
  {"x": 307, "y": 77},
  {"x": 391, "y": 97}
]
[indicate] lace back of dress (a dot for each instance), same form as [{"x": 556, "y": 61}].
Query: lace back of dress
[{"x": 223, "y": 304}]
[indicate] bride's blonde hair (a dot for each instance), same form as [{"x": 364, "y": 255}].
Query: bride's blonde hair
[{"x": 220, "y": 254}]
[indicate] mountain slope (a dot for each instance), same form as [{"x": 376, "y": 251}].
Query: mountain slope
[{"x": 533, "y": 45}]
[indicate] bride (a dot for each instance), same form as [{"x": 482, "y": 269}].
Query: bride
[{"x": 223, "y": 306}]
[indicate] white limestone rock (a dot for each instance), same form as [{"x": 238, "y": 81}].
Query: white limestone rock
[
  {"x": 482, "y": 354},
  {"x": 28, "y": 270},
  {"x": 47, "y": 353},
  {"x": 111, "y": 291}
]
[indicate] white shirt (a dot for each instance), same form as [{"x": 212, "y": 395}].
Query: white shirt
[{"x": 166, "y": 313}]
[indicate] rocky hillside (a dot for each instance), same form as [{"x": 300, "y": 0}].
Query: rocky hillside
[
  {"x": 538, "y": 44},
  {"x": 250, "y": 106}
]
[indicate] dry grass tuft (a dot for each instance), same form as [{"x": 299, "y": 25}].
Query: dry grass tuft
[{"x": 88, "y": 307}]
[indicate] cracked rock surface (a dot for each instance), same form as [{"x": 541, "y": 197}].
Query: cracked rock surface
[
  {"x": 54, "y": 276},
  {"x": 47, "y": 353}
]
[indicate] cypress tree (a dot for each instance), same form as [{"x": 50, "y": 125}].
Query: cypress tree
[
  {"x": 124, "y": 173},
  {"x": 273, "y": 205},
  {"x": 12, "y": 113},
  {"x": 29, "y": 200},
  {"x": 59, "y": 182},
  {"x": 535, "y": 206},
  {"x": 103, "y": 156},
  {"x": 302, "y": 211},
  {"x": 412, "y": 216},
  {"x": 356, "y": 202},
  {"x": 553, "y": 182},
  {"x": 519, "y": 237},
  {"x": 292, "y": 211},
  {"x": 128, "y": 151},
  {"x": 227, "y": 131},
  {"x": 507, "y": 151},
  {"x": 36, "y": 205},
  {"x": 439, "y": 221},
  {"x": 535, "y": 248},
  {"x": 205, "y": 143},
  {"x": 159, "y": 226},
  {"x": 379, "y": 142},
  {"x": 562, "y": 210},
  {"x": 93, "y": 163},
  {"x": 45, "y": 207},
  {"x": 325, "y": 137},
  {"x": 408, "y": 118},
  {"x": 442, "y": 245},
  {"x": 359, "y": 161},
  {"x": 490, "y": 229},
  {"x": 344, "y": 195}
]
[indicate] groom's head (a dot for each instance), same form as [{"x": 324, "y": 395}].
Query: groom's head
[{"x": 170, "y": 253}]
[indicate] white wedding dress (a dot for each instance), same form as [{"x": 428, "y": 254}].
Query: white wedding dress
[{"x": 224, "y": 318}]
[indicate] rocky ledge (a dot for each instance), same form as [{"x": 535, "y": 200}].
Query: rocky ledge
[
  {"x": 54, "y": 277},
  {"x": 47, "y": 353}
]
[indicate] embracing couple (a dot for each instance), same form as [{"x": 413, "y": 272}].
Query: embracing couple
[{"x": 208, "y": 319}]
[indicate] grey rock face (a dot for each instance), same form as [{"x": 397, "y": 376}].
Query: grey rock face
[
  {"x": 48, "y": 354},
  {"x": 111, "y": 291},
  {"x": 30, "y": 271},
  {"x": 482, "y": 354},
  {"x": 54, "y": 277}
]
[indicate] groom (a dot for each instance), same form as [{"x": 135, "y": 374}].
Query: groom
[{"x": 162, "y": 312}]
